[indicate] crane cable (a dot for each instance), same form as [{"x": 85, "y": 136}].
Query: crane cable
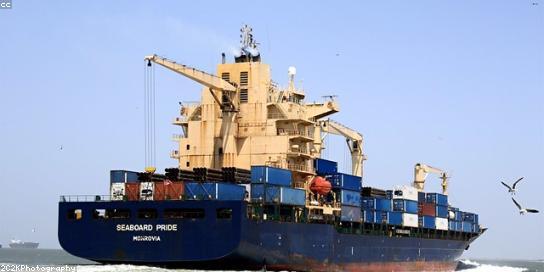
[{"x": 149, "y": 116}]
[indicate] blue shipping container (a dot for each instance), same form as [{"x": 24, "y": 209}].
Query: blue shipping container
[
  {"x": 271, "y": 175},
  {"x": 349, "y": 198},
  {"x": 278, "y": 195},
  {"x": 350, "y": 214},
  {"x": 459, "y": 226},
  {"x": 441, "y": 211},
  {"x": 476, "y": 228},
  {"x": 369, "y": 216},
  {"x": 325, "y": 167},
  {"x": 469, "y": 217},
  {"x": 214, "y": 191},
  {"x": 383, "y": 204},
  {"x": 420, "y": 196},
  {"x": 123, "y": 176},
  {"x": 368, "y": 203},
  {"x": 428, "y": 222},
  {"x": 451, "y": 225},
  {"x": 389, "y": 194},
  {"x": 467, "y": 226},
  {"x": 458, "y": 216},
  {"x": 381, "y": 217},
  {"x": 436, "y": 198},
  {"x": 404, "y": 205},
  {"x": 395, "y": 218},
  {"x": 345, "y": 181}
]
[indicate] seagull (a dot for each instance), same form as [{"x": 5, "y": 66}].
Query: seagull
[
  {"x": 512, "y": 189},
  {"x": 61, "y": 147},
  {"x": 523, "y": 210}
]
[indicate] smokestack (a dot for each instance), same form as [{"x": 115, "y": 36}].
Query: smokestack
[{"x": 223, "y": 58}]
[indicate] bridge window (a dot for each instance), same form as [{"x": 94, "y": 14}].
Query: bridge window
[
  {"x": 184, "y": 213},
  {"x": 147, "y": 213},
  {"x": 118, "y": 213},
  {"x": 244, "y": 79},
  {"x": 75, "y": 214},
  {"x": 224, "y": 213},
  {"x": 243, "y": 96},
  {"x": 225, "y": 76},
  {"x": 99, "y": 213}
]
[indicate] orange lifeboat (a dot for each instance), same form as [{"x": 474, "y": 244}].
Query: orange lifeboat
[{"x": 320, "y": 186}]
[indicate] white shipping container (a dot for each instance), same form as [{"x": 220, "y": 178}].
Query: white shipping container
[
  {"x": 405, "y": 192},
  {"x": 146, "y": 190},
  {"x": 409, "y": 220},
  {"x": 441, "y": 223},
  {"x": 117, "y": 191}
]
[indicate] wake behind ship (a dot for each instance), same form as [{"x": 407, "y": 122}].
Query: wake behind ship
[{"x": 251, "y": 190}]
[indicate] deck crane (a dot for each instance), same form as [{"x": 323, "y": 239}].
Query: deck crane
[
  {"x": 214, "y": 83},
  {"x": 420, "y": 174},
  {"x": 354, "y": 140}
]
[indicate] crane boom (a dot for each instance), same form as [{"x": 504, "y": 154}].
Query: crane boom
[
  {"x": 206, "y": 79},
  {"x": 420, "y": 174},
  {"x": 354, "y": 140}
]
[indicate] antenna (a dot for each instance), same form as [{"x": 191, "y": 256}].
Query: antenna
[{"x": 331, "y": 97}]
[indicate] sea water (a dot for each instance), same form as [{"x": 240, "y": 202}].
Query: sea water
[{"x": 56, "y": 257}]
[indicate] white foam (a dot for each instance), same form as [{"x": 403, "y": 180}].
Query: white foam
[{"x": 478, "y": 267}]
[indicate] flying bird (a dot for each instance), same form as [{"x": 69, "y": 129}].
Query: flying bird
[
  {"x": 523, "y": 210},
  {"x": 512, "y": 189}
]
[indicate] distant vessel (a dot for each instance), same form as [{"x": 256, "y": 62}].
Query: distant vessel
[{"x": 21, "y": 244}]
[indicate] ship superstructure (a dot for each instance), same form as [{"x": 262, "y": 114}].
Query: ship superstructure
[{"x": 251, "y": 190}]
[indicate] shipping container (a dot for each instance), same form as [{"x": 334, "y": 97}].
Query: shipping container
[
  {"x": 451, "y": 225},
  {"x": 410, "y": 220},
  {"x": 467, "y": 226},
  {"x": 428, "y": 222},
  {"x": 123, "y": 176},
  {"x": 158, "y": 191},
  {"x": 420, "y": 196},
  {"x": 214, "y": 191},
  {"x": 441, "y": 211},
  {"x": 146, "y": 190},
  {"x": 173, "y": 190},
  {"x": 271, "y": 175},
  {"x": 436, "y": 198},
  {"x": 368, "y": 216},
  {"x": 117, "y": 191},
  {"x": 395, "y": 218},
  {"x": 459, "y": 225},
  {"x": 132, "y": 191},
  {"x": 381, "y": 217},
  {"x": 403, "y": 205},
  {"x": 345, "y": 181},
  {"x": 476, "y": 228},
  {"x": 325, "y": 167},
  {"x": 389, "y": 194},
  {"x": 469, "y": 217},
  {"x": 383, "y": 204},
  {"x": 278, "y": 195},
  {"x": 349, "y": 198},
  {"x": 427, "y": 209},
  {"x": 368, "y": 203},
  {"x": 441, "y": 223},
  {"x": 406, "y": 192},
  {"x": 458, "y": 216},
  {"x": 350, "y": 214}
]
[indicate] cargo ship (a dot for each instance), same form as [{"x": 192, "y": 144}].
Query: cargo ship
[
  {"x": 251, "y": 190},
  {"x": 20, "y": 244}
]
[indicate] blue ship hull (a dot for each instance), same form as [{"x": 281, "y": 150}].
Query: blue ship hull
[{"x": 240, "y": 243}]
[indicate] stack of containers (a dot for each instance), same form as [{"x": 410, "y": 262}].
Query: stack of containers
[
  {"x": 470, "y": 222},
  {"x": 455, "y": 219},
  {"x": 273, "y": 186},
  {"x": 405, "y": 207},
  {"x": 345, "y": 187},
  {"x": 376, "y": 209},
  {"x": 124, "y": 185},
  {"x": 426, "y": 212},
  {"x": 168, "y": 190},
  {"x": 441, "y": 205}
]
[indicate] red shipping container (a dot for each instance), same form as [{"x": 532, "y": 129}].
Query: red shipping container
[
  {"x": 158, "y": 191},
  {"x": 428, "y": 209},
  {"x": 132, "y": 191},
  {"x": 173, "y": 190}
]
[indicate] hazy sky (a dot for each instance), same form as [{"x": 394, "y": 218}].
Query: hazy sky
[{"x": 454, "y": 84}]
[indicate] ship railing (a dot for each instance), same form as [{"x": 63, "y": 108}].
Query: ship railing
[
  {"x": 84, "y": 198},
  {"x": 177, "y": 137},
  {"x": 298, "y": 167},
  {"x": 302, "y": 133}
]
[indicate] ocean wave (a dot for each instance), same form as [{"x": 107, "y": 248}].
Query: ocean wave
[{"x": 473, "y": 266}]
